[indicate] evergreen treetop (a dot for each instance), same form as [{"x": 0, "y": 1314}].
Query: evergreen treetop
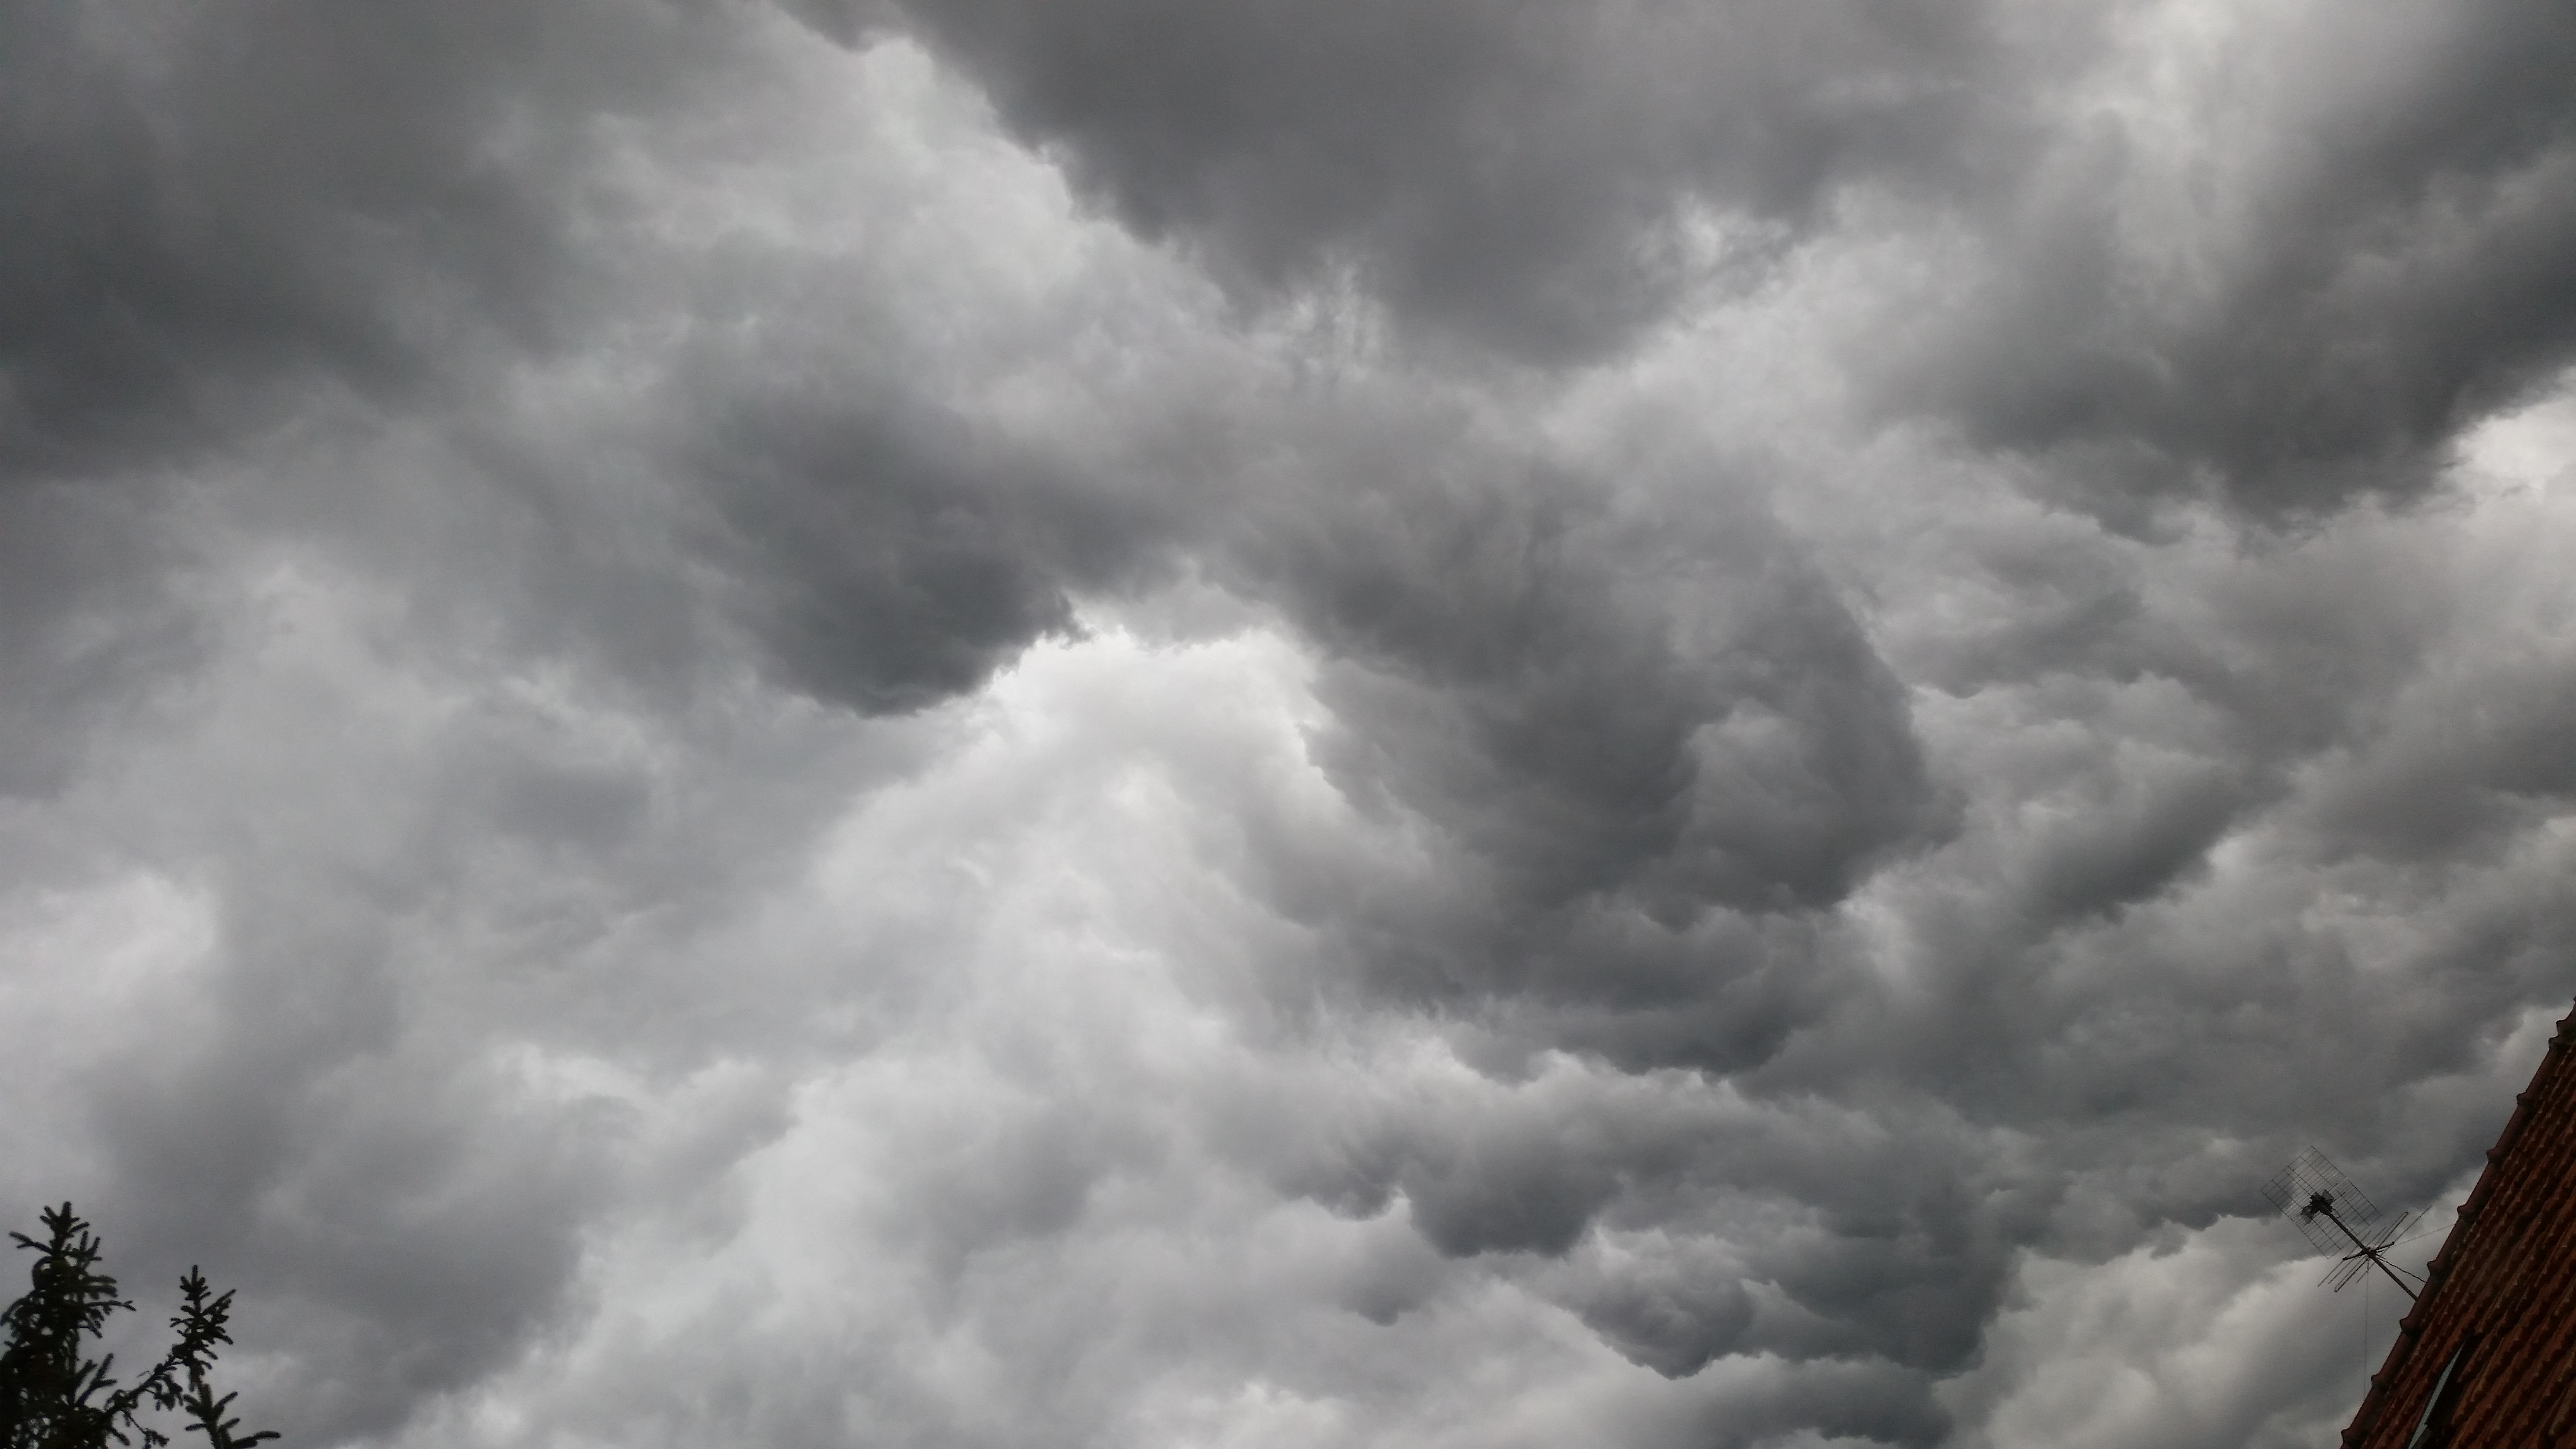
[{"x": 54, "y": 1395}]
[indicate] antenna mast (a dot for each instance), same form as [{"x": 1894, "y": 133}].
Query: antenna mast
[{"x": 2335, "y": 1215}]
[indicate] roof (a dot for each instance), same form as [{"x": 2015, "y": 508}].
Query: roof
[{"x": 2487, "y": 1357}]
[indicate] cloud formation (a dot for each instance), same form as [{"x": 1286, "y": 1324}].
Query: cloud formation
[
  {"x": 972, "y": 723},
  {"x": 2287, "y": 259},
  {"x": 1512, "y": 174}
]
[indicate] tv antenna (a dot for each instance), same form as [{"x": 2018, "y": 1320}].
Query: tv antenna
[{"x": 2338, "y": 1219}]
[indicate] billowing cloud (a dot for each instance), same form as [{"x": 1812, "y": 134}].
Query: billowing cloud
[
  {"x": 972, "y": 723},
  {"x": 1516, "y": 174},
  {"x": 2284, "y": 254}
]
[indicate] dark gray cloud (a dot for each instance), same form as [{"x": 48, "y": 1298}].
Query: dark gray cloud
[
  {"x": 208, "y": 223},
  {"x": 203, "y": 208},
  {"x": 888, "y": 559},
  {"x": 95, "y": 594},
  {"x": 1147, "y": 724},
  {"x": 1625, "y": 771},
  {"x": 2341, "y": 290},
  {"x": 2360, "y": 252},
  {"x": 1511, "y": 174}
]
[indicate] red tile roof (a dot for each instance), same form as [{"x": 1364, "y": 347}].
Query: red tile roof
[{"x": 2499, "y": 1311}]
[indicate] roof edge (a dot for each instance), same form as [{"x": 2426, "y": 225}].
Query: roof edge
[{"x": 2366, "y": 1417}]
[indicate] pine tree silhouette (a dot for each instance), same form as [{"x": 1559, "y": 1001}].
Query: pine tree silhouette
[{"x": 53, "y": 1395}]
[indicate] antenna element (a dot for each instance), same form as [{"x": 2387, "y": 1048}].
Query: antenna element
[{"x": 2337, "y": 1218}]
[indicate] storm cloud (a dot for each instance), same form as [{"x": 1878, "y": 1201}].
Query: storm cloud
[{"x": 979, "y": 723}]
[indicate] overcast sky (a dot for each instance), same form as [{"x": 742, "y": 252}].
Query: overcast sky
[{"x": 1244, "y": 724}]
